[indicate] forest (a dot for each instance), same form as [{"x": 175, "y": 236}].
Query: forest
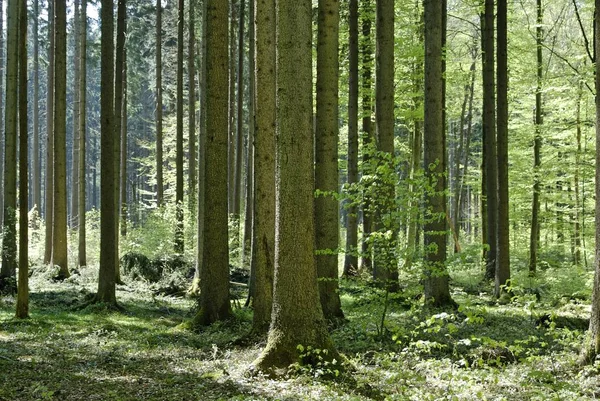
[{"x": 299, "y": 200}]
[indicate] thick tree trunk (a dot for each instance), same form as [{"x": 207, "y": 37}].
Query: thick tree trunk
[
  {"x": 108, "y": 255},
  {"x": 437, "y": 291},
  {"x": 59, "y": 217},
  {"x": 351, "y": 259},
  {"x": 214, "y": 274},
  {"x": 295, "y": 270},
  {"x": 326, "y": 153},
  {"x": 23, "y": 284},
  {"x": 179, "y": 238},
  {"x": 263, "y": 241}
]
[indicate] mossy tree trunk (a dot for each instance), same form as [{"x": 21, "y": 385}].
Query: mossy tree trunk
[
  {"x": 297, "y": 314},
  {"x": 214, "y": 274}
]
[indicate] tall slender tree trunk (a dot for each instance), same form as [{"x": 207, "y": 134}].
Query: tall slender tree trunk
[
  {"x": 214, "y": 276},
  {"x": 239, "y": 140},
  {"x": 23, "y": 283},
  {"x": 37, "y": 183},
  {"x": 326, "y": 163},
  {"x": 49, "y": 187},
  {"x": 2, "y": 112},
  {"x": 437, "y": 291},
  {"x": 74, "y": 221},
  {"x": 9, "y": 231},
  {"x": 367, "y": 125},
  {"x": 231, "y": 116},
  {"x": 82, "y": 257},
  {"x": 159, "y": 106},
  {"x": 108, "y": 225},
  {"x": 179, "y": 140},
  {"x": 351, "y": 259},
  {"x": 263, "y": 232},
  {"x": 503, "y": 245},
  {"x": 59, "y": 215},
  {"x": 489, "y": 140},
  {"x": 124, "y": 152},
  {"x": 577, "y": 215},
  {"x": 534, "y": 237},
  {"x": 385, "y": 263},
  {"x": 192, "y": 174},
  {"x": 295, "y": 270}
]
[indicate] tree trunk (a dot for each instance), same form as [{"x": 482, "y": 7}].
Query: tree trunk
[
  {"x": 231, "y": 115},
  {"x": 263, "y": 241},
  {"x": 385, "y": 263},
  {"x": 489, "y": 139},
  {"x": 23, "y": 285},
  {"x": 192, "y": 174},
  {"x": 159, "y": 106},
  {"x": 179, "y": 141},
  {"x": 534, "y": 237},
  {"x": 214, "y": 276},
  {"x": 49, "y": 187},
  {"x": 239, "y": 141},
  {"x": 73, "y": 220},
  {"x": 2, "y": 111},
  {"x": 108, "y": 256},
  {"x": 9, "y": 241},
  {"x": 437, "y": 291},
  {"x": 577, "y": 215},
  {"x": 326, "y": 153},
  {"x": 295, "y": 270},
  {"x": 503, "y": 245},
  {"x": 36, "y": 185},
  {"x": 124, "y": 155},
  {"x": 351, "y": 259},
  {"x": 82, "y": 258},
  {"x": 367, "y": 126},
  {"x": 59, "y": 217}
]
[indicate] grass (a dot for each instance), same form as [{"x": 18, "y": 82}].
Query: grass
[{"x": 523, "y": 350}]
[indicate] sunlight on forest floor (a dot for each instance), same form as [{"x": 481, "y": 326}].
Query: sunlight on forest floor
[{"x": 482, "y": 351}]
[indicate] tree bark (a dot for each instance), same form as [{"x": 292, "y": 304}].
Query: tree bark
[
  {"x": 124, "y": 154},
  {"x": 2, "y": 112},
  {"x": 49, "y": 191},
  {"x": 36, "y": 185},
  {"x": 437, "y": 291},
  {"x": 159, "y": 106},
  {"x": 263, "y": 241},
  {"x": 351, "y": 259},
  {"x": 326, "y": 154},
  {"x": 74, "y": 220},
  {"x": 295, "y": 270},
  {"x": 192, "y": 174},
  {"x": 82, "y": 256},
  {"x": 214, "y": 274},
  {"x": 23, "y": 284},
  {"x": 179, "y": 140},
  {"x": 239, "y": 140}
]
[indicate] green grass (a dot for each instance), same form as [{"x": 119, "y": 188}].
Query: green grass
[{"x": 483, "y": 351}]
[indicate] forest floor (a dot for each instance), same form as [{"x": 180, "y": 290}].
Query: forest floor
[{"x": 525, "y": 349}]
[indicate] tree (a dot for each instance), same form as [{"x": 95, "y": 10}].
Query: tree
[
  {"x": 239, "y": 138},
  {"x": 437, "y": 290},
  {"x": 385, "y": 266},
  {"x": 74, "y": 221},
  {"x": 59, "y": 214},
  {"x": 351, "y": 259},
  {"x": 326, "y": 154},
  {"x": 591, "y": 344},
  {"x": 9, "y": 231},
  {"x": 192, "y": 174},
  {"x": 489, "y": 139},
  {"x": 49, "y": 192},
  {"x": 159, "y": 107},
  {"x": 263, "y": 231},
  {"x": 214, "y": 274},
  {"x": 23, "y": 283},
  {"x": 179, "y": 140},
  {"x": 2, "y": 110},
  {"x": 107, "y": 276},
  {"x": 534, "y": 237},
  {"x": 122, "y": 205},
  {"x": 82, "y": 258},
  {"x": 295, "y": 273},
  {"x": 503, "y": 238},
  {"x": 36, "y": 185}
]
